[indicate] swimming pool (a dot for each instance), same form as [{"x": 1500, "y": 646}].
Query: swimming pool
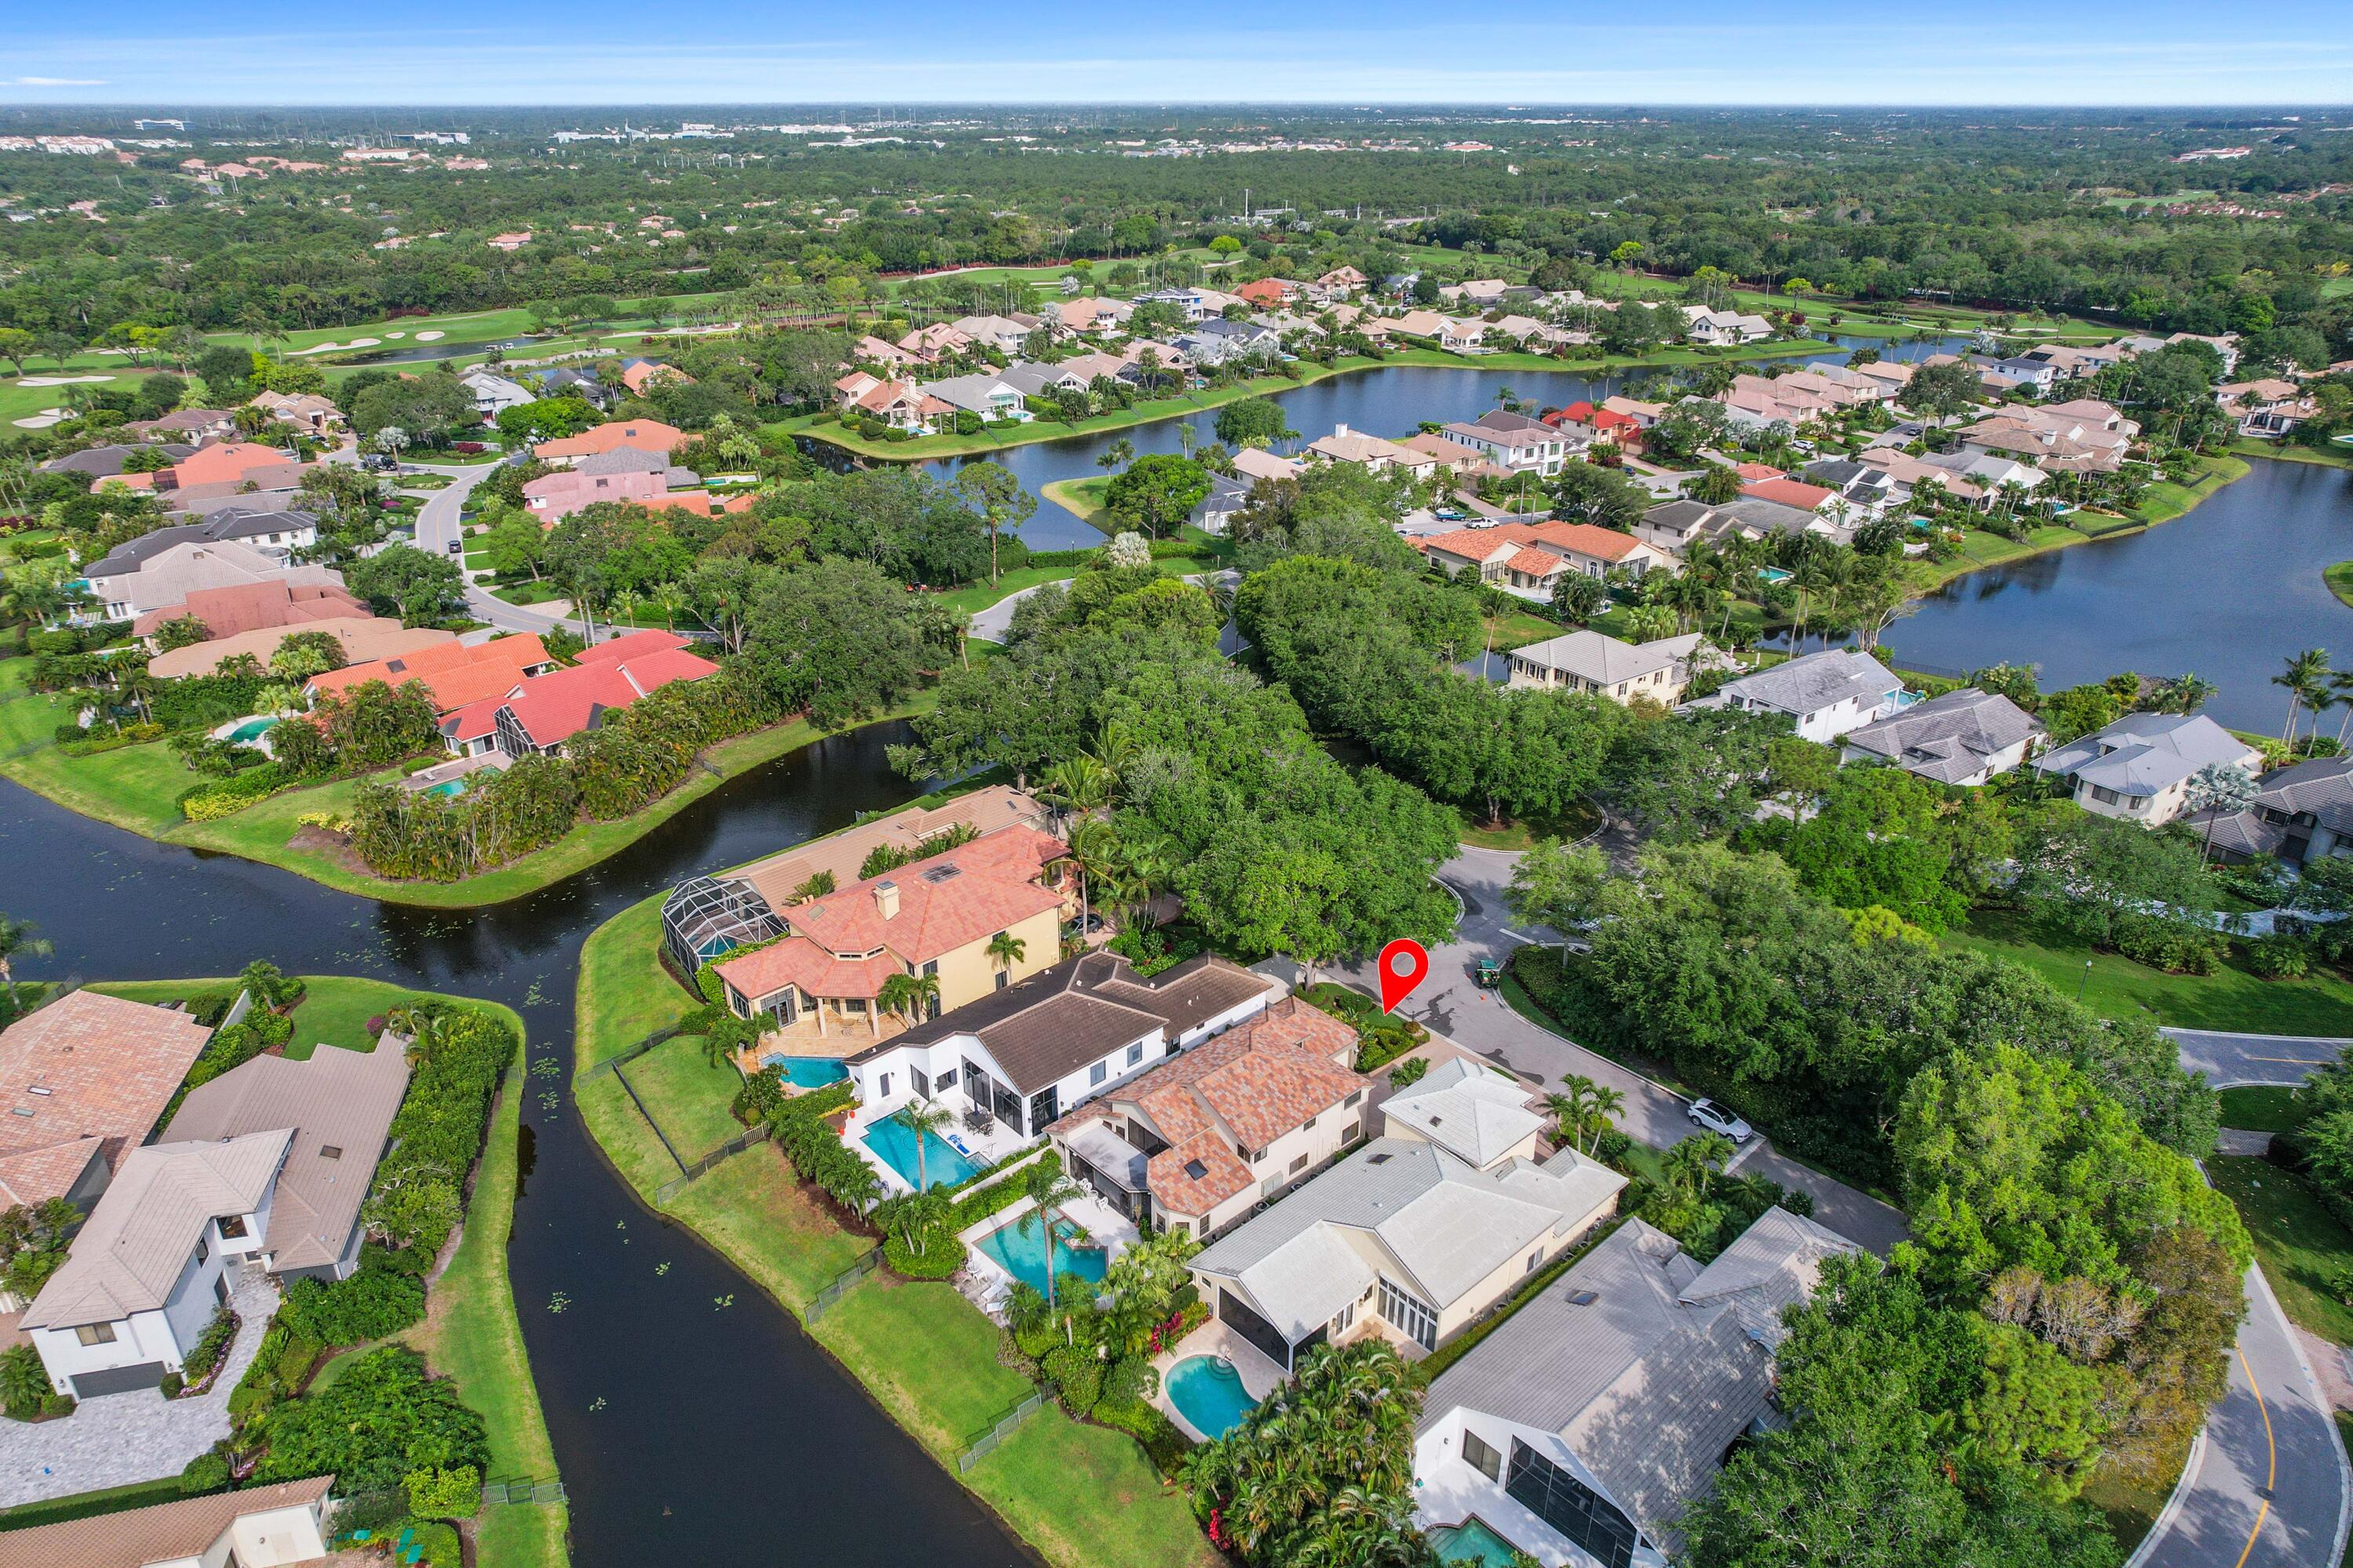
[
  {"x": 1209, "y": 1393},
  {"x": 447, "y": 787},
  {"x": 1473, "y": 1541},
  {"x": 1022, "y": 1253},
  {"x": 809, "y": 1072},
  {"x": 943, "y": 1163},
  {"x": 252, "y": 728}
]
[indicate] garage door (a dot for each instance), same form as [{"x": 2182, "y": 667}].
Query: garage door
[{"x": 118, "y": 1380}]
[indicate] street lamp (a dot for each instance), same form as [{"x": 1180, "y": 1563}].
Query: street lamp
[{"x": 2080, "y": 984}]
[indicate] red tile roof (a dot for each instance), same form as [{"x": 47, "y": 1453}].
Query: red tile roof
[
  {"x": 797, "y": 961},
  {"x": 554, "y": 707},
  {"x": 1789, "y": 492},
  {"x": 455, "y": 673},
  {"x": 1561, "y": 538},
  {"x": 646, "y": 434},
  {"x": 257, "y": 607},
  {"x": 1759, "y": 472},
  {"x": 103, "y": 1069}
]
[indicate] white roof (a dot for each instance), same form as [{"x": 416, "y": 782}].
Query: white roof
[{"x": 1466, "y": 1109}]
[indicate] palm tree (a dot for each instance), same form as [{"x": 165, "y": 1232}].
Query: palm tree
[
  {"x": 1049, "y": 1192},
  {"x": 1117, "y": 456},
  {"x": 2224, "y": 789},
  {"x": 2305, "y": 677},
  {"x": 1077, "y": 788},
  {"x": 1004, "y": 950},
  {"x": 672, "y": 597},
  {"x": 1692, "y": 1166},
  {"x": 2188, "y": 693},
  {"x": 911, "y": 996},
  {"x": 1089, "y": 849},
  {"x": 18, "y": 937},
  {"x": 924, "y": 1119}
]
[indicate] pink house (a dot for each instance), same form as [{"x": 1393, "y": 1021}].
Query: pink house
[{"x": 555, "y": 496}]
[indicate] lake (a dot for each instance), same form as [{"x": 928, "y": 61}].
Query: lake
[
  {"x": 687, "y": 1433},
  {"x": 2227, "y": 592}
]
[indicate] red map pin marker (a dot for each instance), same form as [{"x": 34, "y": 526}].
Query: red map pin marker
[{"x": 1405, "y": 963}]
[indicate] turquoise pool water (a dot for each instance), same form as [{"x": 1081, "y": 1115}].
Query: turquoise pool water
[
  {"x": 1209, "y": 1393},
  {"x": 1473, "y": 1542},
  {"x": 1022, "y": 1254},
  {"x": 447, "y": 787},
  {"x": 810, "y": 1072},
  {"x": 943, "y": 1163},
  {"x": 252, "y": 728}
]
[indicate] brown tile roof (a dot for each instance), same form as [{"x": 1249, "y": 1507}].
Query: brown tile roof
[
  {"x": 945, "y": 900},
  {"x": 651, "y": 435},
  {"x": 164, "y": 1533},
  {"x": 1168, "y": 1175},
  {"x": 86, "y": 1067},
  {"x": 998, "y": 806}
]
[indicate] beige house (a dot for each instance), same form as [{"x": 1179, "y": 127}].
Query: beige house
[
  {"x": 1403, "y": 1239},
  {"x": 1589, "y": 660},
  {"x": 278, "y": 1526},
  {"x": 940, "y": 917},
  {"x": 1347, "y": 446},
  {"x": 1197, "y": 1141}
]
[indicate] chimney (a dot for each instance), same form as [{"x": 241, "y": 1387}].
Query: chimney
[
  {"x": 886, "y": 900},
  {"x": 1340, "y": 430}
]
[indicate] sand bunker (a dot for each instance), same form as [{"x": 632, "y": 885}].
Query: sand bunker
[
  {"x": 431, "y": 335},
  {"x": 59, "y": 379},
  {"x": 42, "y": 420}
]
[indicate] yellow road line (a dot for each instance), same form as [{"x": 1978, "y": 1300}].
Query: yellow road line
[
  {"x": 2291, "y": 1061},
  {"x": 2271, "y": 1472}
]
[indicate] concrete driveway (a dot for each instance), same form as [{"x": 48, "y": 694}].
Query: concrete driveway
[
  {"x": 1450, "y": 1002},
  {"x": 2283, "y": 1060}
]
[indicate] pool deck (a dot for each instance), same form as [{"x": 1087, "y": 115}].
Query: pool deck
[
  {"x": 1260, "y": 1376},
  {"x": 993, "y": 1147},
  {"x": 987, "y": 1284}
]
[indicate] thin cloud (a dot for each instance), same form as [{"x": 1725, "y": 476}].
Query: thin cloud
[{"x": 53, "y": 81}]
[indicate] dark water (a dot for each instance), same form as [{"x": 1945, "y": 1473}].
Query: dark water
[
  {"x": 1390, "y": 402},
  {"x": 2228, "y": 592},
  {"x": 725, "y": 1435},
  {"x": 421, "y": 353}
]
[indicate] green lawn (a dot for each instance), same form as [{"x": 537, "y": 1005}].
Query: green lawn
[
  {"x": 688, "y": 1094},
  {"x": 2339, "y": 579},
  {"x": 1528, "y": 833},
  {"x": 2229, "y": 998},
  {"x": 2300, "y": 1243},
  {"x": 2262, "y": 1109},
  {"x": 334, "y": 1009},
  {"x": 1084, "y": 1496},
  {"x": 2164, "y": 501},
  {"x": 1083, "y": 498}
]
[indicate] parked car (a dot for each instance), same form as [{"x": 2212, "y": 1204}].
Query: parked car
[
  {"x": 456, "y": 547},
  {"x": 1715, "y": 1119}
]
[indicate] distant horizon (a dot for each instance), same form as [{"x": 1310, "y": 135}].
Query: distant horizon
[{"x": 532, "y": 54}]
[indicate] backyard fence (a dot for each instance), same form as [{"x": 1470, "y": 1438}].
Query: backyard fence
[
  {"x": 613, "y": 1063},
  {"x": 694, "y": 1170},
  {"x": 835, "y": 1288},
  {"x": 999, "y": 1429},
  {"x": 521, "y": 1489}
]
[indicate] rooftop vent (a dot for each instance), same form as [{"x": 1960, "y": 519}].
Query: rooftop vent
[
  {"x": 939, "y": 874},
  {"x": 1581, "y": 1297},
  {"x": 330, "y": 1151}
]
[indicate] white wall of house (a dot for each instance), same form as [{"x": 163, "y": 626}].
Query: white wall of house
[
  {"x": 274, "y": 1537},
  {"x": 1824, "y": 724},
  {"x": 162, "y": 1335},
  {"x": 1450, "y": 1489}
]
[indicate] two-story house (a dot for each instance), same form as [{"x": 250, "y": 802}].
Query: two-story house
[
  {"x": 1823, "y": 695},
  {"x": 1514, "y": 442},
  {"x": 2300, "y": 815},
  {"x": 2140, "y": 767}
]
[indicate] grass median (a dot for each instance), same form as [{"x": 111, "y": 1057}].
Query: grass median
[{"x": 1085, "y": 1497}]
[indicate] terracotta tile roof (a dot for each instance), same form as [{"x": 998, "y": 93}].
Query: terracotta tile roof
[
  {"x": 105, "y": 1067},
  {"x": 648, "y": 435},
  {"x": 1562, "y": 538},
  {"x": 166, "y": 1533},
  {"x": 1537, "y": 563},
  {"x": 797, "y": 961},
  {"x": 225, "y": 463},
  {"x": 1759, "y": 472},
  {"x": 456, "y": 673},
  {"x": 252, "y": 607},
  {"x": 1168, "y": 1175},
  {"x": 554, "y": 707},
  {"x": 944, "y": 901},
  {"x": 632, "y": 644},
  {"x": 1789, "y": 492}
]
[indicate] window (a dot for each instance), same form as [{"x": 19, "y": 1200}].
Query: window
[
  {"x": 1352, "y": 1134},
  {"x": 95, "y": 1333},
  {"x": 1533, "y": 1258},
  {"x": 1135, "y": 1053},
  {"x": 1480, "y": 1456},
  {"x": 203, "y": 1251},
  {"x": 1001, "y": 978},
  {"x": 1097, "y": 1073},
  {"x": 1349, "y": 1104},
  {"x": 923, "y": 1082},
  {"x": 882, "y": 1086},
  {"x": 1570, "y": 1506},
  {"x": 945, "y": 1080},
  {"x": 232, "y": 1226},
  {"x": 1299, "y": 1164},
  {"x": 1408, "y": 1315},
  {"x": 1308, "y": 1123}
]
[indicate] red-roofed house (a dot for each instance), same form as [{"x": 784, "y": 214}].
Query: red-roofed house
[
  {"x": 644, "y": 435},
  {"x": 1597, "y": 424},
  {"x": 457, "y": 677},
  {"x": 535, "y": 716},
  {"x": 553, "y": 497},
  {"x": 225, "y": 465},
  {"x": 1528, "y": 559},
  {"x": 1235, "y": 1119},
  {"x": 1267, "y": 294},
  {"x": 936, "y": 916},
  {"x": 1790, "y": 492},
  {"x": 1751, "y": 472},
  {"x": 83, "y": 1079}
]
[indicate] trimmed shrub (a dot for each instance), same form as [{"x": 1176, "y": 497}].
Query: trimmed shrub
[
  {"x": 383, "y": 1418},
  {"x": 941, "y": 1256},
  {"x": 1077, "y": 1377},
  {"x": 219, "y": 797},
  {"x": 435, "y": 1493},
  {"x": 371, "y": 1305},
  {"x": 208, "y": 1472}
]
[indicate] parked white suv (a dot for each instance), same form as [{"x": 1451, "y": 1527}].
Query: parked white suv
[{"x": 1715, "y": 1119}]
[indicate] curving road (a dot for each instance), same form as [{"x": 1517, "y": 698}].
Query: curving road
[{"x": 437, "y": 523}]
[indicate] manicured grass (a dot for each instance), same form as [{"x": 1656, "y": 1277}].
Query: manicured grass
[
  {"x": 2262, "y": 1108},
  {"x": 135, "y": 787},
  {"x": 1083, "y": 498},
  {"x": 2330, "y": 456},
  {"x": 688, "y": 1094},
  {"x": 1528, "y": 833},
  {"x": 1084, "y": 1495},
  {"x": 2339, "y": 579},
  {"x": 2164, "y": 501},
  {"x": 2231, "y": 998},
  {"x": 2300, "y": 1243},
  {"x": 471, "y": 1333}
]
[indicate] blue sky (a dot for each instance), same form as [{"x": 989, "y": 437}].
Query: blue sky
[{"x": 1360, "y": 51}]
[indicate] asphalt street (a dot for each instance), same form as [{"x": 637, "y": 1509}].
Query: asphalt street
[{"x": 2278, "y": 1060}]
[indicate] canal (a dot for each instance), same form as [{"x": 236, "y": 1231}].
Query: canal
[{"x": 695, "y": 1422}]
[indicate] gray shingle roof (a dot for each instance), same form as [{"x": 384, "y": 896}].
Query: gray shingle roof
[
  {"x": 1816, "y": 681},
  {"x": 2321, "y": 789},
  {"x": 2145, "y": 753},
  {"x": 1448, "y": 1225},
  {"x": 1948, "y": 738},
  {"x": 1650, "y": 1379}
]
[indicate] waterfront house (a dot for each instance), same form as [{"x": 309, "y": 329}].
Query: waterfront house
[
  {"x": 84, "y": 1078},
  {"x": 986, "y": 393},
  {"x": 456, "y": 676},
  {"x": 1193, "y": 1144},
  {"x": 1580, "y": 1430},
  {"x": 2300, "y": 815},
  {"x": 1018, "y": 1058},
  {"x": 647, "y": 434},
  {"x": 1823, "y": 695},
  {"x": 1966, "y": 738},
  {"x": 537, "y": 715},
  {"x": 1254, "y": 463},
  {"x": 1529, "y": 559},
  {"x": 1402, "y": 1239},
  {"x": 1727, "y": 327},
  {"x": 936, "y": 917},
  {"x": 1370, "y": 452},
  {"x": 1588, "y": 660},
  {"x": 1514, "y": 442},
  {"x": 282, "y": 1525},
  {"x": 2139, "y": 767}
]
